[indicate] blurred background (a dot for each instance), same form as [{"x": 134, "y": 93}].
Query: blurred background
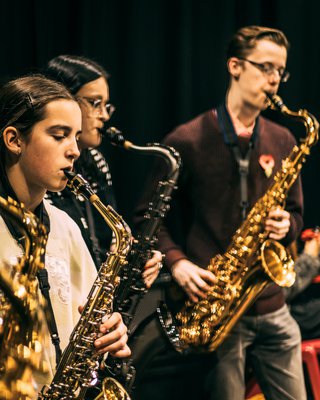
[{"x": 167, "y": 64}]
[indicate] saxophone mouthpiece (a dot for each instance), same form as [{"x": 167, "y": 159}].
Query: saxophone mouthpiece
[
  {"x": 69, "y": 174},
  {"x": 275, "y": 101},
  {"x": 115, "y": 136},
  {"x": 78, "y": 184}
]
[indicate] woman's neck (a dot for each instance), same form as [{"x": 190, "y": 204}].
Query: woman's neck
[{"x": 31, "y": 198}]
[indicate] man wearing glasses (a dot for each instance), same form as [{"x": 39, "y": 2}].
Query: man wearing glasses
[{"x": 230, "y": 155}]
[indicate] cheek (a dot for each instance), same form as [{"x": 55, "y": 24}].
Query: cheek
[
  {"x": 41, "y": 161},
  {"x": 87, "y": 127}
]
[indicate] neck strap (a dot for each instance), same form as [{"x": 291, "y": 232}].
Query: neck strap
[{"x": 232, "y": 140}]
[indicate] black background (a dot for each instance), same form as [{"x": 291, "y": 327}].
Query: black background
[{"x": 167, "y": 61}]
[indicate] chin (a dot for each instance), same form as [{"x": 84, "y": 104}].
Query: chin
[
  {"x": 98, "y": 140},
  {"x": 59, "y": 187}
]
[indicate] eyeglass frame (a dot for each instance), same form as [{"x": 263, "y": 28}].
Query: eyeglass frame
[
  {"x": 284, "y": 75},
  {"x": 96, "y": 105}
]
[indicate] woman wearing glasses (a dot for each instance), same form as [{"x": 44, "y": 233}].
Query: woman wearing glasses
[{"x": 88, "y": 81}]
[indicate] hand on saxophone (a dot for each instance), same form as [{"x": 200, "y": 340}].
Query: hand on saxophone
[
  {"x": 152, "y": 268},
  {"x": 195, "y": 281},
  {"x": 113, "y": 339},
  {"x": 277, "y": 223}
]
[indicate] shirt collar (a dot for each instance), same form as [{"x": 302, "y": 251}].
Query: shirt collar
[{"x": 239, "y": 127}]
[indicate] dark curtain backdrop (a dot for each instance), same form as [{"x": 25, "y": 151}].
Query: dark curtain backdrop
[{"x": 167, "y": 61}]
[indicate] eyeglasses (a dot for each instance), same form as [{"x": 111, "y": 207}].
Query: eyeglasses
[
  {"x": 269, "y": 69},
  {"x": 98, "y": 106}
]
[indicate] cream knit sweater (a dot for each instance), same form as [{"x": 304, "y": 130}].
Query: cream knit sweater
[{"x": 71, "y": 274}]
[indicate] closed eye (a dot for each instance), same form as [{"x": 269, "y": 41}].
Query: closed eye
[
  {"x": 58, "y": 138},
  {"x": 59, "y": 132}
]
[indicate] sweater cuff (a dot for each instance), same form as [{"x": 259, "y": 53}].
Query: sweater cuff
[{"x": 173, "y": 256}]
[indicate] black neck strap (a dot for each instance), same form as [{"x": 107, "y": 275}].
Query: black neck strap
[
  {"x": 232, "y": 140},
  {"x": 51, "y": 321},
  {"x": 93, "y": 237}
]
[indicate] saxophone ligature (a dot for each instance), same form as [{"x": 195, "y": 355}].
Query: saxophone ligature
[
  {"x": 251, "y": 261},
  {"x": 22, "y": 313},
  {"x": 79, "y": 363}
]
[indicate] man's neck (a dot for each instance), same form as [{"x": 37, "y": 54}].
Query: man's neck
[{"x": 246, "y": 114}]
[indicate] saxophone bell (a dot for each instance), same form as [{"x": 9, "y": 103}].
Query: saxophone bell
[
  {"x": 277, "y": 263},
  {"x": 111, "y": 389},
  {"x": 22, "y": 310}
]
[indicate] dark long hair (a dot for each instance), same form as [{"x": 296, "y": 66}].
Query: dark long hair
[{"x": 74, "y": 71}]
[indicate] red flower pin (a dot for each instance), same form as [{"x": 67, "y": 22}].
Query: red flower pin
[
  {"x": 267, "y": 163},
  {"x": 309, "y": 234}
]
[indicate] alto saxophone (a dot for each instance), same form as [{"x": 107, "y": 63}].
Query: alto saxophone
[
  {"x": 132, "y": 288},
  {"x": 251, "y": 260},
  {"x": 22, "y": 318},
  {"x": 79, "y": 364}
]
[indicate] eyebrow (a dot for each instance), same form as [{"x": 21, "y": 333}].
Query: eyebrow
[
  {"x": 96, "y": 97},
  {"x": 65, "y": 128},
  {"x": 59, "y": 126}
]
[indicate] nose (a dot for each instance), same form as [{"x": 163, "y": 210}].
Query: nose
[
  {"x": 275, "y": 77},
  {"x": 104, "y": 115},
  {"x": 73, "y": 151}
]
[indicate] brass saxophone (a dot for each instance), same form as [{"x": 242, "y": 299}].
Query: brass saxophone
[
  {"x": 251, "y": 260},
  {"x": 22, "y": 317},
  {"x": 79, "y": 364}
]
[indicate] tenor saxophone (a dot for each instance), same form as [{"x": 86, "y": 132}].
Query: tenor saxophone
[
  {"x": 132, "y": 288},
  {"x": 251, "y": 261},
  {"x": 132, "y": 282},
  {"x": 22, "y": 317},
  {"x": 79, "y": 364}
]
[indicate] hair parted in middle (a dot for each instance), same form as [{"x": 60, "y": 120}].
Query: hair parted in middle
[
  {"x": 74, "y": 71},
  {"x": 23, "y": 101}
]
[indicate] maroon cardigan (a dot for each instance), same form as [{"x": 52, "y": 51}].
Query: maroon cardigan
[{"x": 205, "y": 211}]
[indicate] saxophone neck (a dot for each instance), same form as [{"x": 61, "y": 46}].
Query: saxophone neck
[
  {"x": 167, "y": 153},
  {"x": 122, "y": 232},
  {"x": 310, "y": 122}
]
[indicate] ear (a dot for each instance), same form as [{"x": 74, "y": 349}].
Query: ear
[
  {"x": 234, "y": 67},
  {"x": 12, "y": 140}
]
